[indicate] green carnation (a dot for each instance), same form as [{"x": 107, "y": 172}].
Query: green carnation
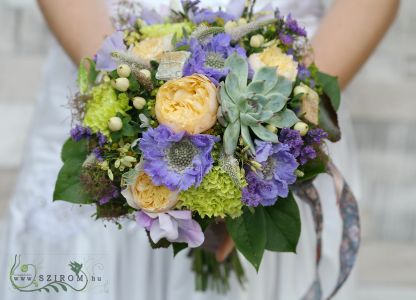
[
  {"x": 217, "y": 196},
  {"x": 104, "y": 105},
  {"x": 159, "y": 30}
]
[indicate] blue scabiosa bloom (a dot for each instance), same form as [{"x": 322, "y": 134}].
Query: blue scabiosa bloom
[
  {"x": 176, "y": 160},
  {"x": 208, "y": 59},
  {"x": 114, "y": 42},
  {"x": 209, "y": 16},
  {"x": 277, "y": 172}
]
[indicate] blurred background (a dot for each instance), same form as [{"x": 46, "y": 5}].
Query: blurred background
[{"x": 384, "y": 116}]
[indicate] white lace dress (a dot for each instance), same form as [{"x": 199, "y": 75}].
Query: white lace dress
[{"x": 52, "y": 234}]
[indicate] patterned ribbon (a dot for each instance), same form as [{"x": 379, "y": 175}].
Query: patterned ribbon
[{"x": 348, "y": 209}]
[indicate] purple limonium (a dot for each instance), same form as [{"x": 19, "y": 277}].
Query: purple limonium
[
  {"x": 209, "y": 16},
  {"x": 176, "y": 160},
  {"x": 114, "y": 42},
  {"x": 102, "y": 139},
  {"x": 303, "y": 72},
  {"x": 277, "y": 172},
  {"x": 286, "y": 39},
  {"x": 80, "y": 132},
  {"x": 315, "y": 136},
  {"x": 177, "y": 226},
  {"x": 208, "y": 59},
  {"x": 293, "y": 26},
  {"x": 112, "y": 193},
  {"x": 97, "y": 153},
  {"x": 292, "y": 139}
]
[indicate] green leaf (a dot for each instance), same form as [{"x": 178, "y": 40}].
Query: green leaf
[
  {"x": 245, "y": 134},
  {"x": 267, "y": 75},
  {"x": 231, "y": 136},
  {"x": 331, "y": 88},
  {"x": 283, "y": 86},
  {"x": 276, "y": 102},
  {"x": 314, "y": 167},
  {"x": 328, "y": 119},
  {"x": 68, "y": 186},
  {"x": 239, "y": 67},
  {"x": 284, "y": 118},
  {"x": 282, "y": 225},
  {"x": 249, "y": 235},
  {"x": 178, "y": 247},
  {"x": 264, "y": 134}
]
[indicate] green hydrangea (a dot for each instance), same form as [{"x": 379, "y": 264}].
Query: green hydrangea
[
  {"x": 104, "y": 105},
  {"x": 159, "y": 30},
  {"x": 217, "y": 196}
]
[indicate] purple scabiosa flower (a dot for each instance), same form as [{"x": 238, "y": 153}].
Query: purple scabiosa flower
[
  {"x": 176, "y": 160},
  {"x": 177, "y": 226},
  {"x": 150, "y": 16},
  {"x": 275, "y": 176},
  {"x": 80, "y": 132},
  {"x": 209, "y": 59},
  {"x": 114, "y": 42},
  {"x": 286, "y": 39}
]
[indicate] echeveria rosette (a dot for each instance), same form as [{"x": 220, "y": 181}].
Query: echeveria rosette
[
  {"x": 251, "y": 107},
  {"x": 277, "y": 172},
  {"x": 113, "y": 43},
  {"x": 177, "y": 226},
  {"x": 176, "y": 160},
  {"x": 209, "y": 59}
]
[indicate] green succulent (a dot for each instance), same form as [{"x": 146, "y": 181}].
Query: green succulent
[{"x": 249, "y": 108}]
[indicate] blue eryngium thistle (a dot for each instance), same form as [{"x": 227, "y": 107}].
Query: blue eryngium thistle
[{"x": 249, "y": 108}]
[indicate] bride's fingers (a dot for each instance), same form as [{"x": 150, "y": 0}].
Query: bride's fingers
[{"x": 225, "y": 249}]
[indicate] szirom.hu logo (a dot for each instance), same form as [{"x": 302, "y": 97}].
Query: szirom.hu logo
[{"x": 26, "y": 277}]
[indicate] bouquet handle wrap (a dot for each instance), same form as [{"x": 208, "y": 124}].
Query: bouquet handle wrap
[{"x": 348, "y": 208}]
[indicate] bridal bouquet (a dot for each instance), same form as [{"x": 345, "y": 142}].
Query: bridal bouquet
[{"x": 202, "y": 120}]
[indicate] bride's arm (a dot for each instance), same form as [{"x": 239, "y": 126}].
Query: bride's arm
[
  {"x": 79, "y": 25},
  {"x": 346, "y": 37},
  {"x": 349, "y": 33}
]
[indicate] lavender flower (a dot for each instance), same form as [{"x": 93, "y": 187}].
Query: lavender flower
[
  {"x": 275, "y": 176},
  {"x": 176, "y": 160},
  {"x": 177, "y": 226},
  {"x": 114, "y": 42},
  {"x": 209, "y": 59},
  {"x": 80, "y": 132}
]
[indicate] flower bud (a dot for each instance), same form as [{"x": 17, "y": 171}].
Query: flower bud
[
  {"x": 123, "y": 70},
  {"x": 242, "y": 21},
  {"x": 299, "y": 173},
  {"x": 256, "y": 41},
  {"x": 122, "y": 84},
  {"x": 302, "y": 127},
  {"x": 115, "y": 124},
  {"x": 230, "y": 25},
  {"x": 300, "y": 89},
  {"x": 139, "y": 102},
  {"x": 271, "y": 128},
  {"x": 146, "y": 73}
]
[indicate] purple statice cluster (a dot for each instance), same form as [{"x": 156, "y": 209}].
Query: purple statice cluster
[
  {"x": 293, "y": 26},
  {"x": 272, "y": 180},
  {"x": 176, "y": 160},
  {"x": 80, "y": 132},
  {"x": 303, "y": 149},
  {"x": 111, "y": 192},
  {"x": 209, "y": 58}
]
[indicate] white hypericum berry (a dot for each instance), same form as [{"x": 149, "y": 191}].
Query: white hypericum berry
[
  {"x": 302, "y": 127},
  {"x": 230, "y": 25},
  {"x": 139, "y": 102},
  {"x": 242, "y": 21},
  {"x": 146, "y": 73},
  {"x": 123, "y": 70},
  {"x": 271, "y": 128},
  {"x": 115, "y": 124},
  {"x": 257, "y": 41},
  {"x": 300, "y": 89},
  {"x": 122, "y": 84}
]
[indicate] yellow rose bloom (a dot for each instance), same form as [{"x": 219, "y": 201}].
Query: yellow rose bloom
[
  {"x": 187, "y": 104},
  {"x": 143, "y": 194},
  {"x": 274, "y": 57},
  {"x": 153, "y": 48}
]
